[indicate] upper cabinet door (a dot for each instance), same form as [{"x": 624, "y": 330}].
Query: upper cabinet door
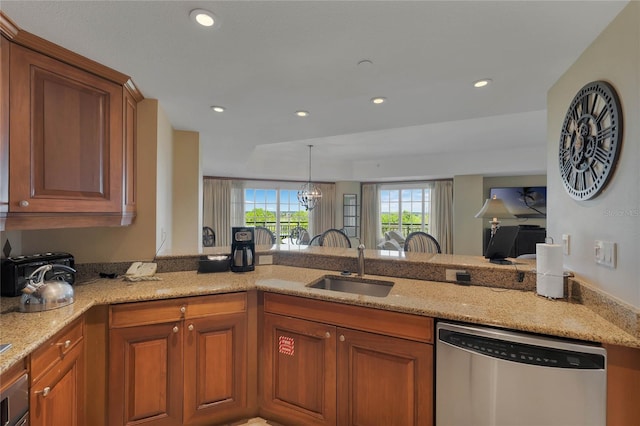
[{"x": 66, "y": 132}]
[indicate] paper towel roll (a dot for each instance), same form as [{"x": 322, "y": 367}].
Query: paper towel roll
[{"x": 549, "y": 273}]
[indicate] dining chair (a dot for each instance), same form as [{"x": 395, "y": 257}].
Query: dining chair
[
  {"x": 395, "y": 235},
  {"x": 334, "y": 238},
  {"x": 419, "y": 241},
  {"x": 304, "y": 238},
  {"x": 315, "y": 241},
  {"x": 263, "y": 236},
  {"x": 299, "y": 235},
  {"x": 208, "y": 237}
]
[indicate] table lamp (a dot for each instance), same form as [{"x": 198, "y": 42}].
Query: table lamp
[{"x": 495, "y": 209}]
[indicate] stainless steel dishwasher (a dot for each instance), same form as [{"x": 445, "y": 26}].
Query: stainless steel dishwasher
[{"x": 488, "y": 376}]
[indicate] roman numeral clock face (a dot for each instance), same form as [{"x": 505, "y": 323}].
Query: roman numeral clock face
[{"x": 590, "y": 140}]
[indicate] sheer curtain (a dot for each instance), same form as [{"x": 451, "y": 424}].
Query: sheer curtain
[
  {"x": 441, "y": 215},
  {"x": 223, "y": 207},
  {"x": 323, "y": 216},
  {"x": 370, "y": 228},
  {"x": 237, "y": 203}
]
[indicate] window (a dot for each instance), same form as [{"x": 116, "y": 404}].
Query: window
[
  {"x": 276, "y": 209},
  {"x": 405, "y": 207}
]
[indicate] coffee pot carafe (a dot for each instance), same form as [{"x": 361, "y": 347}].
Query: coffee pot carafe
[{"x": 242, "y": 249}]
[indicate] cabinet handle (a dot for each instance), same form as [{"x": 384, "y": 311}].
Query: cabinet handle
[
  {"x": 66, "y": 344},
  {"x": 23, "y": 203},
  {"x": 183, "y": 309},
  {"x": 341, "y": 337},
  {"x": 191, "y": 327},
  {"x": 327, "y": 335},
  {"x": 175, "y": 329},
  {"x": 43, "y": 392}
]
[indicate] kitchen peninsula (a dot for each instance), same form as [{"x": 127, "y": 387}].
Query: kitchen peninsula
[{"x": 496, "y": 296}]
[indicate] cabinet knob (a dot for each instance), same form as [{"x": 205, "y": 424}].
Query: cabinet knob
[
  {"x": 327, "y": 335},
  {"x": 341, "y": 337},
  {"x": 43, "y": 392},
  {"x": 183, "y": 309},
  {"x": 191, "y": 327},
  {"x": 23, "y": 203},
  {"x": 65, "y": 344},
  {"x": 176, "y": 329}
]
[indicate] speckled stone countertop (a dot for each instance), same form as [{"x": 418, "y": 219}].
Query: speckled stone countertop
[{"x": 503, "y": 307}]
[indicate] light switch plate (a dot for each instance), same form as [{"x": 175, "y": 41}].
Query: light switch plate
[
  {"x": 565, "y": 244},
  {"x": 605, "y": 253}
]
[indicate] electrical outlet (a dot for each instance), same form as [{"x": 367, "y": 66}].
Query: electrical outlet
[
  {"x": 265, "y": 259},
  {"x": 450, "y": 274}
]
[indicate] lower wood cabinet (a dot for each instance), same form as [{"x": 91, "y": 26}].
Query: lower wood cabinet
[
  {"x": 56, "y": 395},
  {"x": 299, "y": 376},
  {"x": 178, "y": 362},
  {"x": 331, "y": 364}
]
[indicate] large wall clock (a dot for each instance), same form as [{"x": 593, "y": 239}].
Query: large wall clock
[{"x": 590, "y": 140}]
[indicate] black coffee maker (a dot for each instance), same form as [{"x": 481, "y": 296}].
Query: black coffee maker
[{"x": 243, "y": 249}]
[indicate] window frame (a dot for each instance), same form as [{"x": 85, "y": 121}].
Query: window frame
[
  {"x": 278, "y": 187},
  {"x": 426, "y": 187}
]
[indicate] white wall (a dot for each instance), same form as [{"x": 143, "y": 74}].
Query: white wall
[
  {"x": 187, "y": 194},
  {"x": 164, "y": 184},
  {"x": 614, "y": 215},
  {"x": 467, "y": 200}
]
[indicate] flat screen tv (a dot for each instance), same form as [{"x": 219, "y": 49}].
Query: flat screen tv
[
  {"x": 501, "y": 244},
  {"x": 523, "y": 202}
]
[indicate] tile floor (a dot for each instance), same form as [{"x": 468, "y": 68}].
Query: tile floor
[{"x": 256, "y": 421}]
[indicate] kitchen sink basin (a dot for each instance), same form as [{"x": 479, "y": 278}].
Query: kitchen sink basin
[{"x": 354, "y": 285}]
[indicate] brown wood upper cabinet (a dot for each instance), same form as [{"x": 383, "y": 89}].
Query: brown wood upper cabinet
[
  {"x": 179, "y": 361},
  {"x": 326, "y": 363},
  {"x": 69, "y": 135}
]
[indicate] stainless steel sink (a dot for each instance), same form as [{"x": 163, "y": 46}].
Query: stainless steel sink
[{"x": 354, "y": 285}]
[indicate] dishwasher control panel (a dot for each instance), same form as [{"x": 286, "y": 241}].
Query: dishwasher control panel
[{"x": 523, "y": 353}]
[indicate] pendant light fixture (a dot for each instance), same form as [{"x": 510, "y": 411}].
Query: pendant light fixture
[{"x": 309, "y": 195}]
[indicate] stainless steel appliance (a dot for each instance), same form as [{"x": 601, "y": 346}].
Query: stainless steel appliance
[
  {"x": 14, "y": 403},
  {"x": 42, "y": 295},
  {"x": 488, "y": 376},
  {"x": 16, "y": 269},
  {"x": 243, "y": 249}
]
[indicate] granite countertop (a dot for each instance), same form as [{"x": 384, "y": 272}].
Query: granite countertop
[{"x": 513, "y": 309}]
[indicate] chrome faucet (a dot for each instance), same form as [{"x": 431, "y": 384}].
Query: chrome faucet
[{"x": 361, "y": 260}]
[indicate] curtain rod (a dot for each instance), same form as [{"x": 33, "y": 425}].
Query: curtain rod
[
  {"x": 407, "y": 181},
  {"x": 262, "y": 180}
]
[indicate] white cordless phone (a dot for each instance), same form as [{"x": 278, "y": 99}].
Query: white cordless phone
[{"x": 141, "y": 269}]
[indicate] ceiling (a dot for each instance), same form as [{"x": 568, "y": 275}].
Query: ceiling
[{"x": 268, "y": 59}]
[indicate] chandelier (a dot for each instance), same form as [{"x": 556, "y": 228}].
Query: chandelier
[{"x": 309, "y": 194}]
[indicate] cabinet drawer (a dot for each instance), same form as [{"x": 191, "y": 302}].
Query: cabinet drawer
[
  {"x": 396, "y": 324},
  {"x": 56, "y": 349},
  {"x": 145, "y": 313},
  {"x": 161, "y": 311},
  {"x": 219, "y": 304}
]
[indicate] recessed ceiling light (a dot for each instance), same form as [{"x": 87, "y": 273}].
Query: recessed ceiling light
[
  {"x": 481, "y": 83},
  {"x": 217, "y": 108},
  {"x": 204, "y": 18},
  {"x": 378, "y": 100},
  {"x": 302, "y": 113}
]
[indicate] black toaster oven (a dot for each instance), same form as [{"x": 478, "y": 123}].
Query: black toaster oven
[{"x": 16, "y": 269}]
